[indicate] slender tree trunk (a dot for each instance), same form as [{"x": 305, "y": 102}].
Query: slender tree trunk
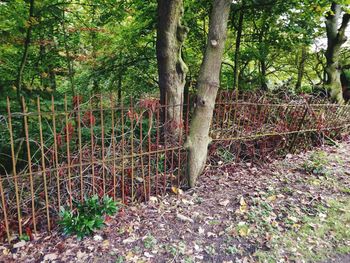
[
  {"x": 208, "y": 85},
  {"x": 120, "y": 79},
  {"x": 263, "y": 70},
  {"x": 301, "y": 67},
  {"x": 68, "y": 57},
  {"x": 171, "y": 68},
  {"x": 336, "y": 38},
  {"x": 237, "y": 50},
  {"x": 263, "y": 52},
  {"x": 52, "y": 78},
  {"x": 19, "y": 78},
  {"x": 95, "y": 86}
]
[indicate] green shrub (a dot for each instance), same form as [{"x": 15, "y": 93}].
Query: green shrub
[
  {"x": 87, "y": 216},
  {"x": 305, "y": 89},
  {"x": 317, "y": 163}
]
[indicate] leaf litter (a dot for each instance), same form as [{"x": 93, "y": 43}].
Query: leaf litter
[{"x": 238, "y": 213}]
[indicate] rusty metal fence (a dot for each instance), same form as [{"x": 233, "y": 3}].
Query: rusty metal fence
[{"x": 52, "y": 154}]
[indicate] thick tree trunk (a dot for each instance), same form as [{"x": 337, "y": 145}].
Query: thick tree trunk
[
  {"x": 208, "y": 85},
  {"x": 301, "y": 68},
  {"x": 171, "y": 68},
  {"x": 336, "y": 38},
  {"x": 237, "y": 50}
]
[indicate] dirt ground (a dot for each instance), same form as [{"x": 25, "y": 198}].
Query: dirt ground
[{"x": 292, "y": 210}]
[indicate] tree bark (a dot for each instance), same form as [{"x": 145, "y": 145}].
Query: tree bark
[
  {"x": 263, "y": 52},
  {"x": 237, "y": 50},
  {"x": 263, "y": 70},
  {"x": 301, "y": 68},
  {"x": 171, "y": 68},
  {"x": 208, "y": 85},
  {"x": 95, "y": 85},
  {"x": 19, "y": 78},
  {"x": 120, "y": 79},
  {"x": 68, "y": 56},
  {"x": 336, "y": 38}
]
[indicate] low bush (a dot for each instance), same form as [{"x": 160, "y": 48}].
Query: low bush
[
  {"x": 317, "y": 163},
  {"x": 87, "y": 216}
]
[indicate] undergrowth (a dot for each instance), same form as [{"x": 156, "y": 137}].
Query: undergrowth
[
  {"x": 317, "y": 163},
  {"x": 87, "y": 216}
]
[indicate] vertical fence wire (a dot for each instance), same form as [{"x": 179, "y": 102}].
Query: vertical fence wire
[
  {"x": 134, "y": 152},
  {"x": 78, "y": 111},
  {"x": 113, "y": 149},
  {"x": 131, "y": 117},
  {"x": 123, "y": 154},
  {"x": 43, "y": 166},
  {"x": 4, "y": 210},
  {"x": 103, "y": 147},
  {"x": 56, "y": 151},
  {"x": 92, "y": 147},
  {"x": 29, "y": 159},
  {"x": 14, "y": 164},
  {"x": 68, "y": 131}
]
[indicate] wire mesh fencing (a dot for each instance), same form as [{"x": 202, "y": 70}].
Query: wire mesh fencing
[
  {"x": 54, "y": 153},
  {"x": 258, "y": 127}
]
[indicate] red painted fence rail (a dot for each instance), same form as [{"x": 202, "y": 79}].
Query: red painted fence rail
[{"x": 54, "y": 153}]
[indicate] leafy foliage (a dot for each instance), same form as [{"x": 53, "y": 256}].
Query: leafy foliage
[
  {"x": 317, "y": 163},
  {"x": 87, "y": 216}
]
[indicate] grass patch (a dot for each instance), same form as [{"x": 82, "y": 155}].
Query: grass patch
[{"x": 317, "y": 238}]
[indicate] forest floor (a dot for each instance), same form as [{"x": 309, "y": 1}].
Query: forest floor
[{"x": 291, "y": 210}]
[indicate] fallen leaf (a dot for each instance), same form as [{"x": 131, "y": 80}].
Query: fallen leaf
[
  {"x": 129, "y": 240},
  {"x": 176, "y": 190},
  {"x": 50, "y": 257},
  {"x": 271, "y": 198},
  {"x": 243, "y": 205},
  {"x": 6, "y": 251},
  {"x": 243, "y": 232},
  {"x": 187, "y": 202},
  {"x": 81, "y": 255},
  {"x": 129, "y": 256},
  {"x": 153, "y": 199},
  {"x": 105, "y": 244},
  {"x": 210, "y": 234},
  {"x": 20, "y": 244},
  {"x": 224, "y": 202},
  {"x": 184, "y": 218},
  {"x": 243, "y": 229},
  {"x": 97, "y": 238}
]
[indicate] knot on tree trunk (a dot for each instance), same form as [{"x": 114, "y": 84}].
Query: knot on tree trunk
[
  {"x": 181, "y": 32},
  {"x": 214, "y": 43}
]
